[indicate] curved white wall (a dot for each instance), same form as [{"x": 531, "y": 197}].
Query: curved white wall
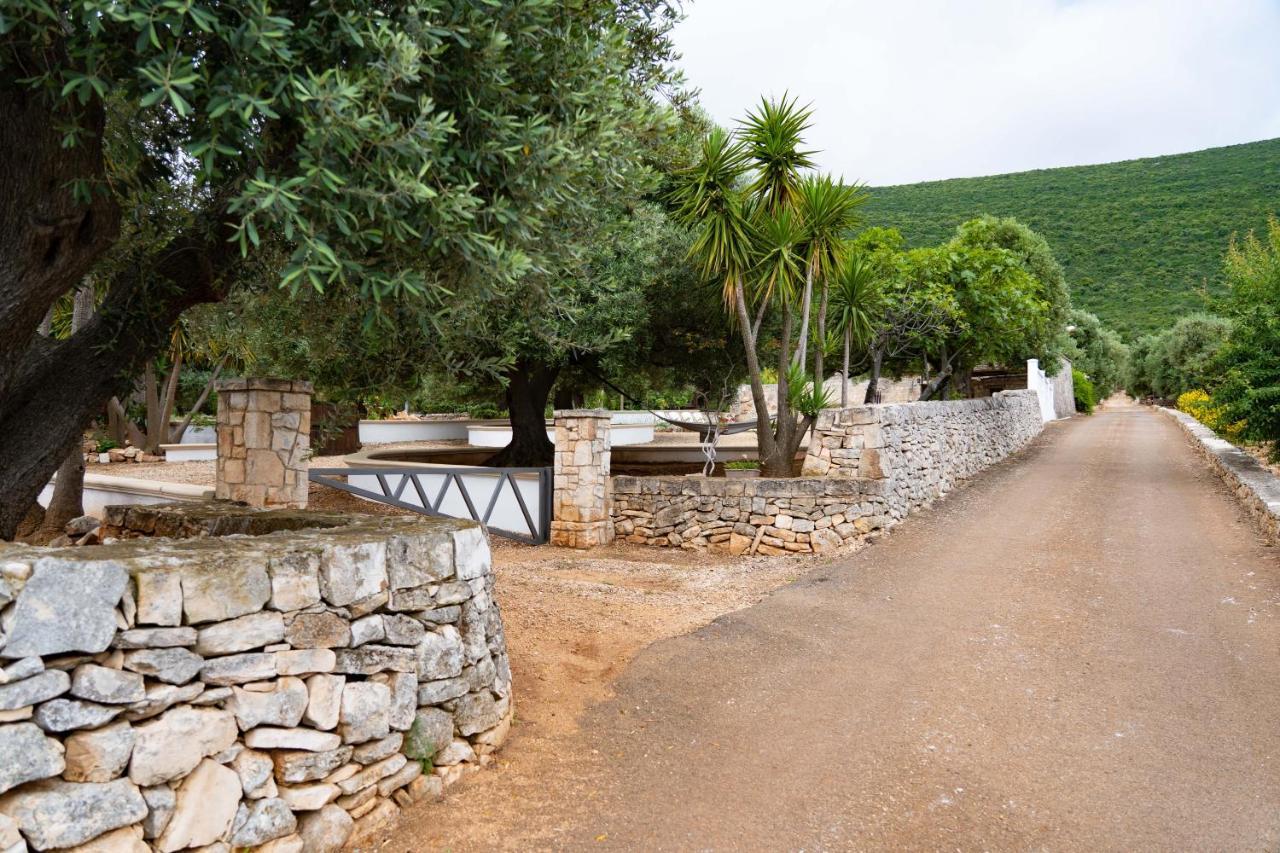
[{"x": 392, "y": 431}]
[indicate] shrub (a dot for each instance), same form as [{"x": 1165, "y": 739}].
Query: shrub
[
  {"x": 1216, "y": 417},
  {"x": 1086, "y": 397}
]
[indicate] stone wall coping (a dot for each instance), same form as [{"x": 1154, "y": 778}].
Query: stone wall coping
[
  {"x": 231, "y": 535},
  {"x": 747, "y": 486},
  {"x": 1254, "y": 482},
  {"x": 288, "y": 386},
  {"x": 151, "y": 488},
  {"x": 597, "y": 414}
]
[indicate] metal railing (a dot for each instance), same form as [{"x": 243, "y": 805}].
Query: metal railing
[{"x": 444, "y": 492}]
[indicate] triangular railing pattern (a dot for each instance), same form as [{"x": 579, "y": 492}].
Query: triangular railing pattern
[{"x": 457, "y": 493}]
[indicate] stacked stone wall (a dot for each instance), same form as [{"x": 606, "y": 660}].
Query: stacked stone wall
[
  {"x": 290, "y": 688},
  {"x": 747, "y": 516},
  {"x": 1253, "y": 484},
  {"x": 921, "y": 450}
]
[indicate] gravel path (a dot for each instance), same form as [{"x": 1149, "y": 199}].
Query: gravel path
[{"x": 1078, "y": 651}]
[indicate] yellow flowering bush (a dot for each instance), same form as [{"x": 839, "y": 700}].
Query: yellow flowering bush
[{"x": 1200, "y": 406}]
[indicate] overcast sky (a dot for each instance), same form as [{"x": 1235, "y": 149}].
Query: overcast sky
[{"x": 912, "y": 90}]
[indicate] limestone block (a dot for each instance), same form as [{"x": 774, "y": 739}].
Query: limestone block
[
  {"x": 27, "y": 755},
  {"x": 283, "y": 706},
  {"x": 54, "y": 814},
  {"x": 293, "y": 765},
  {"x": 352, "y": 571},
  {"x": 65, "y": 606},
  {"x": 160, "y": 804},
  {"x": 159, "y": 598},
  {"x": 170, "y": 665},
  {"x": 364, "y": 715},
  {"x": 254, "y": 769},
  {"x": 261, "y": 821},
  {"x": 267, "y": 737},
  {"x": 305, "y": 661},
  {"x": 235, "y": 587},
  {"x": 205, "y": 807},
  {"x": 64, "y": 715},
  {"x": 101, "y": 684},
  {"x": 174, "y": 744},
  {"x": 155, "y": 638},
  {"x": 251, "y": 631},
  {"x": 326, "y": 830},
  {"x": 324, "y": 700},
  {"x": 439, "y": 655},
  {"x": 323, "y": 630},
  {"x": 295, "y": 580},
  {"x": 100, "y": 755},
  {"x": 30, "y": 691}
]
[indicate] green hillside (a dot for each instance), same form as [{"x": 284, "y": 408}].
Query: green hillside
[{"x": 1139, "y": 239}]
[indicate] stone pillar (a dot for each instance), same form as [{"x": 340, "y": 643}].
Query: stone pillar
[
  {"x": 264, "y": 430},
  {"x": 581, "y": 499}
]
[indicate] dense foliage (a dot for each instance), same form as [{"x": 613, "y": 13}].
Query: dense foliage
[
  {"x": 1181, "y": 358},
  {"x": 1098, "y": 352},
  {"x": 1138, "y": 239},
  {"x": 1250, "y": 386},
  {"x": 1085, "y": 393},
  {"x": 394, "y": 156}
]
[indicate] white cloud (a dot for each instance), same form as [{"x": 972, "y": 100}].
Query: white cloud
[{"x": 922, "y": 89}]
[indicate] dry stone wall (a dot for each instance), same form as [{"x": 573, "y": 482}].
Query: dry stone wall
[
  {"x": 285, "y": 689},
  {"x": 1257, "y": 489},
  {"x": 921, "y": 450},
  {"x": 866, "y": 469},
  {"x": 747, "y": 516}
]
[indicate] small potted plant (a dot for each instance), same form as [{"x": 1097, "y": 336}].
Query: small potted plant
[
  {"x": 740, "y": 469},
  {"x": 106, "y": 444}
]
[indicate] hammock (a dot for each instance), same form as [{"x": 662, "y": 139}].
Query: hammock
[{"x": 705, "y": 430}]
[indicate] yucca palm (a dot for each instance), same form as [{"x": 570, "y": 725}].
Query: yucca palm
[
  {"x": 857, "y": 302},
  {"x": 830, "y": 210},
  {"x": 771, "y": 136}
]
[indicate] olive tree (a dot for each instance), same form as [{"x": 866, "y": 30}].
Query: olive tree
[{"x": 396, "y": 151}]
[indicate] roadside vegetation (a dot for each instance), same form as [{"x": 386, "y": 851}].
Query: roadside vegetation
[
  {"x": 1224, "y": 368},
  {"x": 1141, "y": 241}
]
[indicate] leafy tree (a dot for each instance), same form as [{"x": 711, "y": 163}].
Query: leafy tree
[
  {"x": 1098, "y": 352},
  {"x": 1181, "y": 358},
  {"x": 410, "y": 151},
  {"x": 1011, "y": 299},
  {"x": 1250, "y": 388}
]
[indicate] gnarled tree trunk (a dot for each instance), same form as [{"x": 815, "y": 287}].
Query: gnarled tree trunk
[{"x": 529, "y": 386}]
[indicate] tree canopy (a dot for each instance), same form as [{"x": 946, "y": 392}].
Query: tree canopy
[{"x": 419, "y": 151}]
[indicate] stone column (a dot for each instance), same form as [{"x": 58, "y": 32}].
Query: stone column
[
  {"x": 264, "y": 430},
  {"x": 581, "y": 499}
]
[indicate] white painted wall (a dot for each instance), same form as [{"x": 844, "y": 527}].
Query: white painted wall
[
  {"x": 104, "y": 490},
  {"x": 392, "y": 431},
  {"x": 1039, "y": 381}
]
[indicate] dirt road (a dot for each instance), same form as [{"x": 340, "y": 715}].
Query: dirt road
[{"x": 1080, "y": 650}]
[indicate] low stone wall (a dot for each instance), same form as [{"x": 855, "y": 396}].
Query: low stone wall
[
  {"x": 1253, "y": 483},
  {"x": 288, "y": 688},
  {"x": 921, "y": 450},
  {"x": 747, "y": 516}
]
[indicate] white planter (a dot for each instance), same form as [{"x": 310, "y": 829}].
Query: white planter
[
  {"x": 625, "y": 429},
  {"x": 393, "y": 431},
  {"x": 189, "y": 452}
]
